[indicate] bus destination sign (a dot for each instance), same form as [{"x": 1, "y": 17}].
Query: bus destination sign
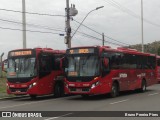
[
  {"x": 21, "y": 53},
  {"x": 81, "y": 51}
]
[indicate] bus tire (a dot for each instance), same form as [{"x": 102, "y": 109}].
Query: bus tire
[
  {"x": 114, "y": 90},
  {"x": 58, "y": 90},
  {"x": 33, "y": 96},
  {"x": 143, "y": 86}
]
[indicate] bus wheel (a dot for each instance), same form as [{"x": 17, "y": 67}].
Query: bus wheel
[
  {"x": 143, "y": 86},
  {"x": 58, "y": 90},
  {"x": 33, "y": 96},
  {"x": 114, "y": 90}
]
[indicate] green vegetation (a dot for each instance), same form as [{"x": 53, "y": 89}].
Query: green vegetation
[
  {"x": 3, "y": 87},
  {"x": 153, "y": 47}
]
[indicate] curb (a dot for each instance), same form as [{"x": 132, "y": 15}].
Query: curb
[{"x": 3, "y": 98}]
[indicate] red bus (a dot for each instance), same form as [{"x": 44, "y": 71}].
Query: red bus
[
  {"x": 99, "y": 70},
  {"x": 35, "y": 72},
  {"x": 158, "y": 69}
]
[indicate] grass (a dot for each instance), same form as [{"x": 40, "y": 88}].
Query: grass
[
  {"x": 3, "y": 92},
  {"x": 2, "y": 85}
]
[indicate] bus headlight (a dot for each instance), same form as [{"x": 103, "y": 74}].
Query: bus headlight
[
  {"x": 33, "y": 84},
  {"x": 66, "y": 85},
  {"x": 94, "y": 84},
  {"x": 7, "y": 85}
]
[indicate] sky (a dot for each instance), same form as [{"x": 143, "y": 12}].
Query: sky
[{"x": 119, "y": 20}]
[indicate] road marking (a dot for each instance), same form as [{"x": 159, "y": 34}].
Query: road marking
[
  {"x": 153, "y": 94},
  {"x": 58, "y": 116},
  {"x": 34, "y": 102},
  {"x": 19, "y": 105},
  {"x": 119, "y": 101}
]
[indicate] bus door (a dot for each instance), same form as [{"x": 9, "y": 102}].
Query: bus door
[
  {"x": 150, "y": 68},
  {"x": 133, "y": 71},
  {"x": 45, "y": 70},
  {"x": 158, "y": 70}
]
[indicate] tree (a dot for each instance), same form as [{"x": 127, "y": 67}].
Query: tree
[{"x": 158, "y": 51}]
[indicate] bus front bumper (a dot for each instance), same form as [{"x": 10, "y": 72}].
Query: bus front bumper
[
  {"x": 85, "y": 88},
  {"x": 22, "y": 89}
]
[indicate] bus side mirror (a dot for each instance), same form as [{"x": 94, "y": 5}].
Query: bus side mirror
[
  {"x": 105, "y": 62},
  {"x": 105, "y": 66},
  {"x": 64, "y": 63}
]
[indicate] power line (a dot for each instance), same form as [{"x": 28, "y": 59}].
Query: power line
[
  {"x": 45, "y": 27},
  {"x": 27, "y": 30},
  {"x": 83, "y": 34},
  {"x": 33, "y": 13},
  {"x": 128, "y": 11},
  {"x": 32, "y": 25},
  {"x": 122, "y": 8},
  {"x": 10, "y": 21},
  {"x": 100, "y": 33},
  {"x": 90, "y": 36},
  {"x": 98, "y": 39}
]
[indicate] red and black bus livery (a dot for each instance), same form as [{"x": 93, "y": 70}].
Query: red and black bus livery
[
  {"x": 99, "y": 70},
  {"x": 35, "y": 72}
]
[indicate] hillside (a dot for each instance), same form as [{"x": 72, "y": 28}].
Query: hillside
[{"x": 153, "y": 47}]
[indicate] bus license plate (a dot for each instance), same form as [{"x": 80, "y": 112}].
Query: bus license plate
[
  {"x": 18, "y": 91},
  {"x": 79, "y": 90}
]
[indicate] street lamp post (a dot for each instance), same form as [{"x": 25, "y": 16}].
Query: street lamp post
[
  {"x": 70, "y": 11},
  {"x": 85, "y": 18},
  {"x": 68, "y": 27},
  {"x": 24, "y": 23},
  {"x": 142, "y": 25}
]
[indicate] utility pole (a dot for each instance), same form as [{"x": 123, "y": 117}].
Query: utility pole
[
  {"x": 68, "y": 27},
  {"x": 24, "y": 23},
  {"x": 1, "y": 60},
  {"x": 102, "y": 39},
  {"x": 142, "y": 25}
]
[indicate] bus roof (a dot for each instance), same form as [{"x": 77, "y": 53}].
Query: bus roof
[
  {"x": 43, "y": 50},
  {"x": 119, "y": 49}
]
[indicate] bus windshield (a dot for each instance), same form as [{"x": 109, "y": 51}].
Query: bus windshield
[
  {"x": 21, "y": 67},
  {"x": 81, "y": 66}
]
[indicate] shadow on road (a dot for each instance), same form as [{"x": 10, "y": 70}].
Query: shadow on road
[
  {"x": 38, "y": 98},
  {"x": 107, "y": 96},
  {"x": 77, "y": 97}
]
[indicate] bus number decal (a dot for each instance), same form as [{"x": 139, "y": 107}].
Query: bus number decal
[
  {"x": 141, "y": 75},
  {"x": 122, "y": 75}
]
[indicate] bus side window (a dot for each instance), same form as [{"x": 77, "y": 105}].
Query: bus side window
[
  {"x": 105, "y": 66},
  {"x": 158, "y": 62},
  {"x": 56, "y": 62},
  {"x": 45, "y": 64}
]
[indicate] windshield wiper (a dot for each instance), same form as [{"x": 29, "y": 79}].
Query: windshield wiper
[{"x": 85, "y": 61}]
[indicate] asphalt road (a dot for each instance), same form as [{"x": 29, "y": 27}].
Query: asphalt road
[{"x": 127, "y": 101}]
